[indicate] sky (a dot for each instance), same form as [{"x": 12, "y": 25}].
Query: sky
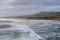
[{"x": 27, "y": 7}]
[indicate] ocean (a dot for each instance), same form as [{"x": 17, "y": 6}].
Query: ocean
[{"x": 18, "y": 29}]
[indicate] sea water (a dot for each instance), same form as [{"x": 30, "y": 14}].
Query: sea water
[
  {"x": 17, "y": 30},
  {"x": 29, "y": 29},
  {"x": 48, "y": 29}
]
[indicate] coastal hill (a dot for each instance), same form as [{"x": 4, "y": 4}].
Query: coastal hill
[
  {"x": 42, "y": 15},
  {"x": 47, "y": 14}
]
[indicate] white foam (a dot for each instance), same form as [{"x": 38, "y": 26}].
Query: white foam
[{"x": 25, "y": 28}]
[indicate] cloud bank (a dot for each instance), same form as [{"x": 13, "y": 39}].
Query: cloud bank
[{"x": 27, "y": 7}]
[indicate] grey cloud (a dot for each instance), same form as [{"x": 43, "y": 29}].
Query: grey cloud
[
  {"x": 38, "y": 2},
  {"x": 28, "y": 7},
  {"x": 52, "y": 9}
]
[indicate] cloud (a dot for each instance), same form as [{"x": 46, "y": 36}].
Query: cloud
[
  {"x": 4, "y": 4},
  {"x": 26, "y": 4},
  {"x": 10, "y": 4},
  {"x": 27, "y": 7},
  {"x": 6, "y": 7},
  {"x": 38, "y": 2},
  {"x": 52, "y": 9}
]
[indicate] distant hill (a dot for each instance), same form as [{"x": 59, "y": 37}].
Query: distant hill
[
  {"x": 42, "y": 15},
  {"x": 47, "y": 14}
]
